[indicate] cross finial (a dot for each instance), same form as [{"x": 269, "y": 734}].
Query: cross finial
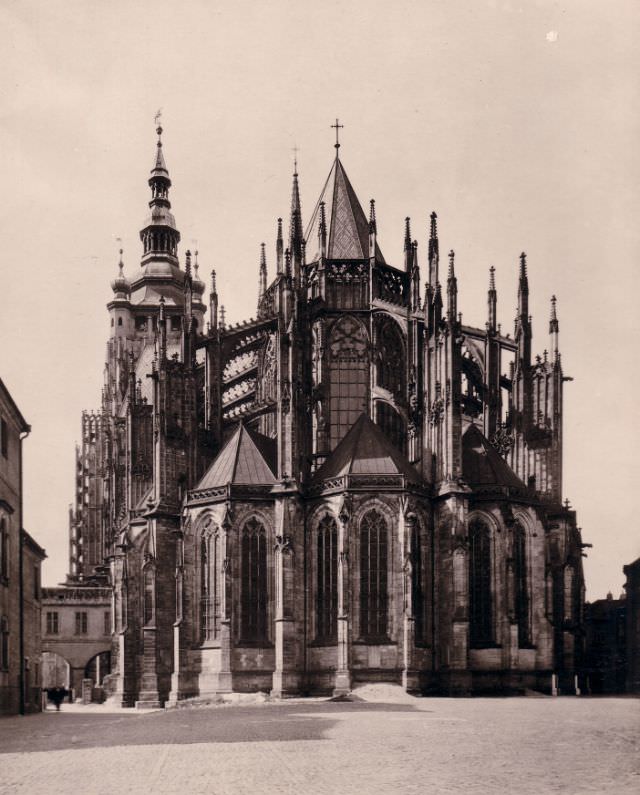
[
  {"x": 337, "y": 126},
  {"x": 157, "y": 119},
  {"x": 295, "y": 151}
]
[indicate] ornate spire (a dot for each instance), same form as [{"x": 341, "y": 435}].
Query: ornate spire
[
  {"x": 279, "y": 247},
  {"x": 415, "y": 278},
  {"x": 322, "y": 232},
  {"x": 159, "y": 235},
  {"x": 407, "y": 244},
  {"x": 434, "y": 251},
  {"x": 295, "y": 223},
  {"x": 452, "y": 290},
  {"x": 554, "y": 329},
  {"x": 162, "y": 330},
  {"x": 121, "y": 285},
  {"x": 262, "y": 285},
  {"x": 523, "y": 324},
  {"x": 213, "y": 303},
  {"x": 492, "y": 299}
]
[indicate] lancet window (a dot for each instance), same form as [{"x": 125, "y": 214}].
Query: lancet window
[
  {"x": 253, "y": 614},
  {"x": 327, "y": 582},
  {"x": 149, "y": 595},
  {"x": 373, "y": 577},
  {"x": 349, "y": 375},
  {"x": 390, "y": 358},
  {"x": 208, "y": 587},
  {"x": 521, "y": 589},
  {"x": 480, "y": 597}
]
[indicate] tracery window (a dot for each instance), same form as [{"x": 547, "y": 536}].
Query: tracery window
[
  {"x": 253, "y": 614},
  {"x": 390, "y": 421},
  {"x": 480, "y": 598},
  {"x": 390, "y": 359},
  {"x": 327, "y": 582},
  {"x": 373, "y": 576},
  {"x": 521, "y": 595},
  {"x": 208, "y": 587},
  {"x": 349, "y": 375}
]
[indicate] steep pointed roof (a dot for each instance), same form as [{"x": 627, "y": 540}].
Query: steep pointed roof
[
  {"x": 365, "y": 450},
  {"x": 348, "y": 229},
  {"x": 248, "y": 458},
  {"x": 482, "y": 465}
]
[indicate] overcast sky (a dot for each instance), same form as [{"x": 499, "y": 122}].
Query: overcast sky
[{"x": 517, "y": 122}]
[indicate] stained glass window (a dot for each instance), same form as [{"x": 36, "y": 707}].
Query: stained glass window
[
  {"x": 373, "y": 577},
  {"x": 327, "y": 591},
  {"x": 521, "y": 587},
  {"x": 254, "y": 583},
  {"x": 480, "y": 607},
  {"x": 392, "y": 424},
  {"x": 390, "y": 359},
  {"x": 349, "y": 375}
]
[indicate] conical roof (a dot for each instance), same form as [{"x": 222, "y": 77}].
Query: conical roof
[
  {"x": 248, "y": 458},
  {"x": 482, "y": 465},
  {"x": 366, "y": 450},
  {"x": 348, "y": 227}
]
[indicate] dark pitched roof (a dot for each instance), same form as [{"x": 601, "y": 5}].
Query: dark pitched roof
[
  {"x": 248, "y": 458},
  {"x": 482, "y": 465},
  {"x": 348, "y": 227},
  {"x": 365, "y": 450}
]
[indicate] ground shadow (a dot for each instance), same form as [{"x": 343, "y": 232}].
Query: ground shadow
[{"x": 280, "y": 722}]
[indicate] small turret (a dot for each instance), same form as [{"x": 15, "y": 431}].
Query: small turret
[
  {"x": 452, "y": 291},
  {"x": 554, "y": 329},
  {"x": 373, "y": 229},
  {"x": 279, "y": 247},
  {"x": 408, "y": 250},
  {"x": 121, "y": 286},
  {"x": 492, "y": 300},
  {"x": 262, "y": 277},
  {"x": 434, "y": 251}
]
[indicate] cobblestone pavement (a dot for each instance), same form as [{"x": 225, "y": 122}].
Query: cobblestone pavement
[{"x": 430, "y": 745}]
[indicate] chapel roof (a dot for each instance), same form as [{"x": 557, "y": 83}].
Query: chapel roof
[
  {"x": 366, "y": 450},
  {"x": 348, "y": 228},
  {"x": 482, "y": 465},
  {"x": 248, "y": 458}
]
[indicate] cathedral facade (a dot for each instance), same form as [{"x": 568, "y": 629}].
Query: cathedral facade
[{"x": 353, "y": 486}]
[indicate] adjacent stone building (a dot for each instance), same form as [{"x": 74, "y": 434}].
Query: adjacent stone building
[
  {"x": 632, "y": 591},
  {"x": 353, "y": 486},
  {"x": 20, "y": 561},
  {"x": 605, "y": 661}
]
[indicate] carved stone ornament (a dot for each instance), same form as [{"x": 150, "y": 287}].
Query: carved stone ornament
[
  {"x": 502, "y": 440},
  {"x": 436, "y": 412},
  {"x": 283, "y": 544}
]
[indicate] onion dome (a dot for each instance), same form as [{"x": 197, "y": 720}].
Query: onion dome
[
  {"x": 121, "y": 286},
  {"x": 198, "y": 286}
]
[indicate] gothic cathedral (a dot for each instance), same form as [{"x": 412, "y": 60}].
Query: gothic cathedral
[{"x": 355, "y": 486}]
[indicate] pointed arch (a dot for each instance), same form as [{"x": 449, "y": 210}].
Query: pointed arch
[
  {"x": 521, "y": 585},
  {"x": 480, "y": 590},
  {"x": 390, "y": 356},
  {"x": 327, "y": 580},
  {"x": 149, "y": 594},
  {"x": 374, "y": 543},
  {"x": 254, "y": 583}
]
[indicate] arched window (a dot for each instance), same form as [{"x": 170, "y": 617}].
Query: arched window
[
  {"x": 480, "y": 601},
  {"x": 390, "y": 421},
  {"x": 390, "y": 360},
  {"x": 4, "y": 643},
  {"x": 373, "y": 577},
  {"x": 418, "y": 596},
  {"x": 148, "y": 601},
  {"x": 208, "y": 588},
  {"x": 349, "y": 375},
  {"x": 253, "y": 614},
  {"x": 521, "y": 589},
  {"x": 327, "y": 591}
]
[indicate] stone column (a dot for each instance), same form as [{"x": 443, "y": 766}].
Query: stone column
[
  {"x": 410, "y": 676},
  {"x": 225, "y": 684},
  {"x": 342, "y": 685},
  {"x": 286, "y": 676}
]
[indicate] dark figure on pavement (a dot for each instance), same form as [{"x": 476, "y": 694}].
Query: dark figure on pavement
[{"x": 56, "y": 695}]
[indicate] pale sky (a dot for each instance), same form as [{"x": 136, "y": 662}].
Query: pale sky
[{"x": 517, "y": 122}]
